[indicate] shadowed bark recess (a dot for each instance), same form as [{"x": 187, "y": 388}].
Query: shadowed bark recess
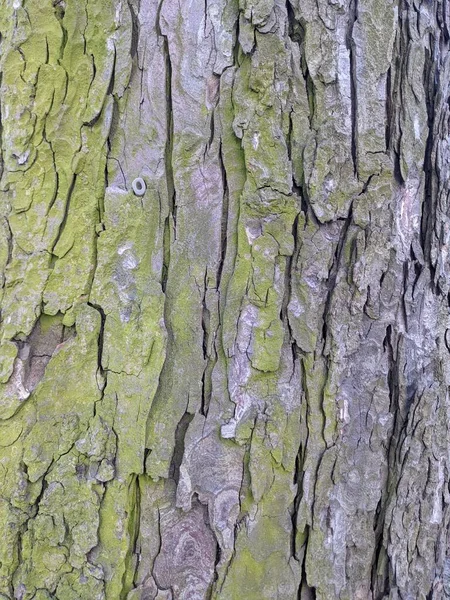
[{"x": 231, "y": 382}]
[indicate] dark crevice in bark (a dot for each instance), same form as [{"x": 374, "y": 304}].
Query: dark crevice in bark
[
  {"x": 134, "y": 31},
  {"x": 110, "y": 89},
  {"x": 309, "y": 92},
  {"x": 166, "y": 254},
  {"x": 174, "y": 215},
  {"x": 306, "y": 209},
  {"x": 55, "y": 192},
  {"x": 101, "y": 202},
  {"x": 216, "y": 576},
  {"x": 9, "y": 250},
  {"x": 211, "y": 134},
  {"x": 298, "y": 496},
  {"x": 366, "y": 184},
  {"x": 207, "y": 387},
  {"x": 102, "y": 314},
  {"x": 431, "y": 82},
  {"x": 206, "y": 319},
  {"x": 291, "y": 262},
  {"x": 236, "y": 45},
  {"x": 392, "y": 345},
  {"x": 389, "y": 110},
  {"x": 205, "y": 8},
  {"x": 403, "y": 300},
  {"x": 393, "y": 377},
  {"x": 210, "y": 360},
  {"x": 289, "y": 141},
  {"x": 353, "y": 17},
  {"x": 379, "y": 583},
  {"x": 178, "y": 453},
  {"x": 394, "y": 100},
  {"x": 224, "y": 218},
  {"x": 171, "y": 191},
  {"x": 147, "y": 453},
  {"x": 295, "y": 28},
  {"x": 102, "y": 374}
]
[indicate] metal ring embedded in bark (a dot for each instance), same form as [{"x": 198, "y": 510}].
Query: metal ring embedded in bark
[{"x": 139, "y": 186}]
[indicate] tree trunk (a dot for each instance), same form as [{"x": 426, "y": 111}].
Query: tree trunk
[{"x": 225, "y": 298}]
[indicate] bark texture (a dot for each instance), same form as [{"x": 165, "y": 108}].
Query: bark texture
[{"x": 232, "y": 384}]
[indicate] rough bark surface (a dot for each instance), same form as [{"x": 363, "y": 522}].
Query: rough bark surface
[{"x": 234, "y": 386}]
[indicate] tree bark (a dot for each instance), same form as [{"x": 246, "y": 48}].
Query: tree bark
[{"x": 224, "y": 259}]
